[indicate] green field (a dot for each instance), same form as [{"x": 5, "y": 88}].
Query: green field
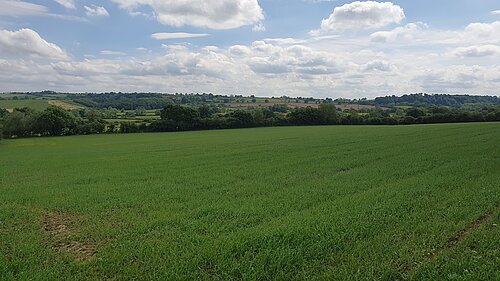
[
  {"x": 289, "y": 203},
  {"x": 35, "y": 104}
]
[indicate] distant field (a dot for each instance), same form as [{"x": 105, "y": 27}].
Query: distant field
[
  {"x": 64, "y": 104},
  {"x": 35, "y": 104},
  {"x": 289, "y": 203}
]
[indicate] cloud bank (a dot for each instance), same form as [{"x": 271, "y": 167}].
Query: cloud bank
[{"x": 214, "y": 14}]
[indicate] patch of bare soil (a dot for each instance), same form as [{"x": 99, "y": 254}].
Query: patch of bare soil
[
  {"x": 63, "y": 231},
  {"x": 459, "y": 237},
  {"x": 463, "y": 233},
  {"x": 64, "y": 105}
]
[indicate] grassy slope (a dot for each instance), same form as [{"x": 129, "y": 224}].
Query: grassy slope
[
  {"x": 35, "y": 104},
  {"x": 341, "y": 202}
]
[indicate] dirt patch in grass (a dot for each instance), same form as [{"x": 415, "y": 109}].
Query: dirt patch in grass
[
  {"x": 64, "y": 105},
  {"x": 461, "y": 235},
  {"x": 454, "y": 241},
  {"x": 63, "y": 231}
]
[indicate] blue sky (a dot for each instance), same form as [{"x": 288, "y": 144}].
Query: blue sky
[{"x": 267, "y": 47}]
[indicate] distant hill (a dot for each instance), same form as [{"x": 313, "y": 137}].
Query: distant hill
[{"x": 436, "y": 99}]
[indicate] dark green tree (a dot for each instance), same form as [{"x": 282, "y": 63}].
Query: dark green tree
[
  {"x": 55, "y": 121},
  {"x": 179, "y": 113},
  {"x": 328, "y": 113},
  {"x": 18, "y": 123}
]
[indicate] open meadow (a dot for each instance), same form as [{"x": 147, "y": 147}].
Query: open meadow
[
  {"x": 418, "y": 202},
  {"x": 34, "y": 104}
]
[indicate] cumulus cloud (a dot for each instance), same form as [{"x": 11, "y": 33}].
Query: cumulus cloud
[
  {"x": 420, "y": 33},
  {"x": 215, "y": 14},
  {"x": 496, "y": 12},
  {"x": 362, "y": 15},
  {"x": 457, "y": 78},
  {"x": 268, "y": 59},
  {"x": 378, "y": 65},
  {"x": 478, "y": 51},
  {"x": 69, "y": 4},
  {"x": 96, "y": 11},
  {"x": 335, "y": 66},
  {"x": 28, "y": 43},
  {"x": 407, "y": 32},
  {"x": 484, "y": 30},
  {"x": 176, "y": 35}
]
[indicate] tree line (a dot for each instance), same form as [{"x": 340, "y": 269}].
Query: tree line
[
  {"x": 423, "y": 99},
  {"x": 55, "y": 121}
]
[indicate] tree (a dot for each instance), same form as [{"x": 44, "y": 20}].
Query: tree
[
  {"x": 178, "y": 118},
  {"x": 93, "y": 115},
  {"x": 283, "y": 108},
  {"x": 242, "y": 119},
  {"x": 305, "y": 116},
  {"x": 415, "y": 112},
  {"x": 328, "y": 113},
  {"x": 205, "y": 111},
  {"x": 179, "y": 113},
  {"x": 18, "y": 123},
  {"x": 3, "y": 112},
  {"x": 55, "y": 121}
]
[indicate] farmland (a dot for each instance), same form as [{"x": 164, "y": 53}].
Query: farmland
[
  {"x": 35, "y": 104},
  {"x": 289, "y": 203}
]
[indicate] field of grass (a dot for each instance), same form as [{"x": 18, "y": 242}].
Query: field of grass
[
  {"x": 35, "y": 104},
  {"x": 289, "y": 203}
]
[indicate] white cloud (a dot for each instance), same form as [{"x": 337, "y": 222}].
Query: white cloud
[
  {"x": 27, "y": 43},
  {"x": 285, "y": 41},
  {"x": 215, "y": 14},
  {"x": 410, "y": 58},
  {"x": 362, "y": 15},
  {"x": 378, "y": 65},
  {"x": 484, "y": 29},
  {"x": 15, "y": 8},
  {"x": 239, "y": 50},
  {"x": 458, "y": 79},
  {"x": 478, "y": 51},
  {"x": 268, "y": 59},
  {"x": 407, "y": 32},
  {"x": 422, "y": 35},
  {"x": 96, "y": 11},
  {"x": 497, "y": 12},
  {"x": 112, "y": 53},
  {"x": 176, "y": 35},
  {"x": 259, "y": 27},
  {"x": 18, "y": 8},
  {"x": 69, "y": 4}
]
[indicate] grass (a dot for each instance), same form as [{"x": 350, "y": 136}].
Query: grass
[
  {"x": 289, "y": 203},
  {"x": 35, "y": 104}
]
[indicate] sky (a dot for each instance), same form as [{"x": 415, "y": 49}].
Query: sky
[{"x": 306, "y": 48}]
